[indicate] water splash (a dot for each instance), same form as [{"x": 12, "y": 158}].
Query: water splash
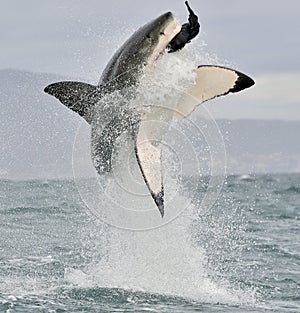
[
  {"x": 162, "y": 261},
  {"x": 161, "y": 257}
]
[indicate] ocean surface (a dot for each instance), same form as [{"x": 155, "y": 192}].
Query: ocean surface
[{"x": 241, "y": 255}]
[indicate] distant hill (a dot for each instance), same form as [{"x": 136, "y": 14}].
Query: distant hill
[
  {"x": 261, "y": 146},
  {"x": 37, "y": 134},
  {"x": 36, "y": 131}
]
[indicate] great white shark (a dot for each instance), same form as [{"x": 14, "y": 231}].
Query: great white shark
[{"x": 124, "y": 72}]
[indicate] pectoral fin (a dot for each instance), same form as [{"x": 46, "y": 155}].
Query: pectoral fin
[
  {"x": 148, "y": 154},
  {"x": 211, "y": 82},
  {"x": 77, "y": 96}
]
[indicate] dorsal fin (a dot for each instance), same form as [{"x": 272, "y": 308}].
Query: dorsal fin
[{"x": 77, "y": 96}]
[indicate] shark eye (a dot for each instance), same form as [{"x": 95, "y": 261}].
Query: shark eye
[
  {"x": 162, "y": 33},
  {"x": 148, "y": 36}
]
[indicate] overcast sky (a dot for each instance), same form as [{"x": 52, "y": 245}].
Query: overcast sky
[{"x": 76, "y": 38}]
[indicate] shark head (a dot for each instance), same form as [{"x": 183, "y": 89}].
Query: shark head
[
  {"x": 141, "y": 49},
  {"x": 154, "y": 37}
]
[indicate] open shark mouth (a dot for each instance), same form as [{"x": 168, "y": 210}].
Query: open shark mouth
[{"x": 172, "y": 30}]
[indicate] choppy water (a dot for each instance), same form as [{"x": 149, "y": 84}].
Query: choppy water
[{"x": 243, "y": 255}]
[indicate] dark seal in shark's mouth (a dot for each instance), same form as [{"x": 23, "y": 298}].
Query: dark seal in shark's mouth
[{"x": 188, "y": 32}]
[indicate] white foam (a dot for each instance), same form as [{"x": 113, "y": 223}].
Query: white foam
[{"x": 162, "y": 261}]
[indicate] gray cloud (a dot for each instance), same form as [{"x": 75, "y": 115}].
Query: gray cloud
[{"x": 63, "y": 37}]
